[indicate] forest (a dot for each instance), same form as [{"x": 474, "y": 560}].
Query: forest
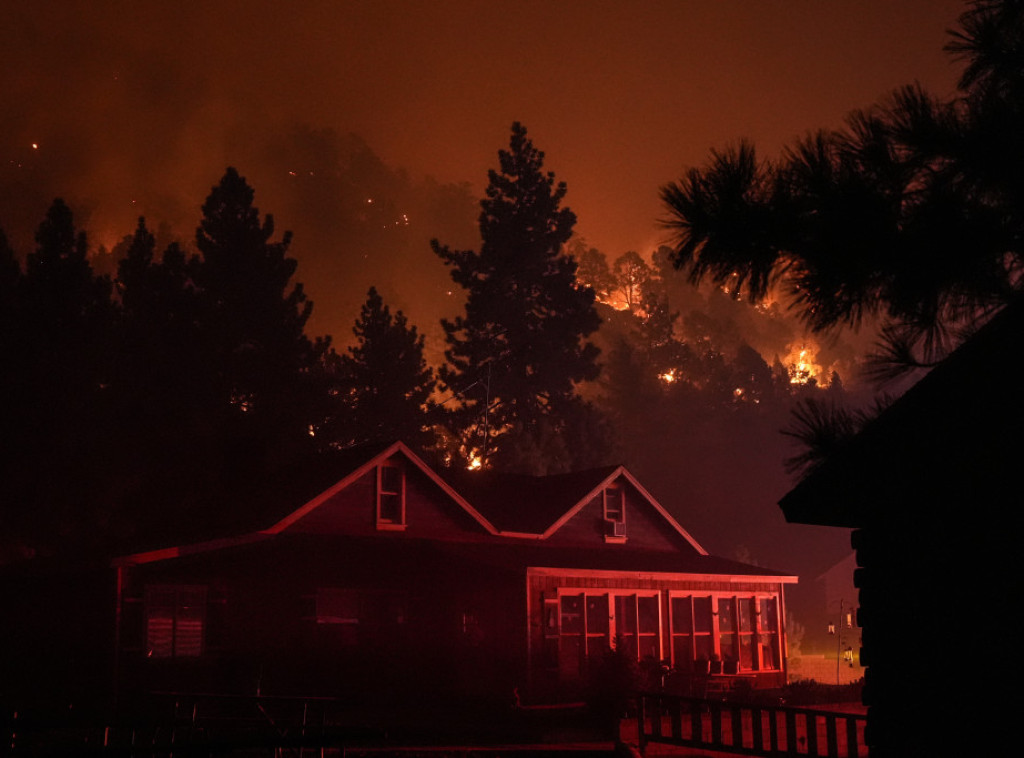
[{"x": 150, "y": 389}]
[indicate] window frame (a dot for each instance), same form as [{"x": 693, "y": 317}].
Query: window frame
[
  {"x": 594, "y": 643},
  {"x": 613, "y": 511},
  {"x": 183, "y": 598},
  {"x": 760, "y": 633},
  {"x": 385, "y": 521},
  {"x": 610, "y": 513}
]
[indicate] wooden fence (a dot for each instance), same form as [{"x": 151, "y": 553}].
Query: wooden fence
[
  {"x": 748, "y": 729},
  {"x": 172, "y": 724}
]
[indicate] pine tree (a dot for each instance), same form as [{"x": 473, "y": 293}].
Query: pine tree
[
  {"x": 386, "y": 383},
  {"x": 57, "y": 388},
  {"x": 631, "y": 274},
  {"x": 521, "y": 344},
  {"x": 252, "y": 317}
]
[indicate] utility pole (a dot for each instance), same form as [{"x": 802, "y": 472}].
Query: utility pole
[{"x": 839, "y": 639}]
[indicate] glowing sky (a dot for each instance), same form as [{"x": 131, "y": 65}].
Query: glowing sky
[
  {"x": 147, "y": 99},
  {"x": 137, "y": 107}
]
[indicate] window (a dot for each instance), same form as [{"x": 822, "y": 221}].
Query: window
[
  {"x": 579, "y": 634},
  {"x": 390, "y": 497},
  {"x": 703, "y": 628},
  {"x": 727, "y": 645},
  {"x": 351, "y": 617},
  {"x": 614, "y": 504},
  {"x": 768, "y": 637},
  {"x": 681, "y": 609},
  {"x": 175, "y": 620},
  {"x": 614, "y": 513},
  {"x": 741, "y": 629}
]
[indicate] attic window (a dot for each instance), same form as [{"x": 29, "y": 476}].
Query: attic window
[
  {"x": 390, "y": 497},
  {"x": 614, "y": 504},
  {"x": 614, "y": 514}
]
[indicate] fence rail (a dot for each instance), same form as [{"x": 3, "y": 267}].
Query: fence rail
[
  {"x": 748, "y": 729},
  {"x": 178, "y": 724}
]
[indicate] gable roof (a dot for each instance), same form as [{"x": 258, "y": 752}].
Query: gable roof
[
  {"x": 959, "y": 426},
  {"x": 357, "y": 461},
  {"x": 395, "y": 448},
  {"x": 515, "y": 508},
  {"x": 520, "y": 505}
]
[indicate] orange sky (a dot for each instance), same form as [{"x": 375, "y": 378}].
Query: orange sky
[{"x": 138, "y": 106}]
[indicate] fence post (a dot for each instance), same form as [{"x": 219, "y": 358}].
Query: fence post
[{"x": 641, "y": 721}]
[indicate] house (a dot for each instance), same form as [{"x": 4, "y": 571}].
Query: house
[
  {"x": 832, "y": 656},
  {"x": 397, "y": 577},
  {"x": 932, "y": 490}
]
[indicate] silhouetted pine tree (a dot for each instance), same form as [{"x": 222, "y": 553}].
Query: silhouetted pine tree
[
  {"x": 253, "y": 321},
  {"x": 385, "y": 383},
  {"x": 911, "y": 213},
  {"x": 56, "y": 388},
  {"x": 521, "y": 344}
]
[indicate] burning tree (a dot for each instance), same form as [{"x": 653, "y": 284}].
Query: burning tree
[{"x": 519, "y": 351}]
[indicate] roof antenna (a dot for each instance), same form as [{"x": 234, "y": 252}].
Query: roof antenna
[{"x": 487, "y": 408}]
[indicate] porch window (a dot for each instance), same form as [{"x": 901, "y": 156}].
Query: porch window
[
  {"x": 768, "y": 633},
  {"x": 390, "y": 497},
  {"x": 681, "y": 609},
  {"x": 175, "y": 620},
  {"x": 589, "y": 622},
  {"x": 727, "y": 642},
  {"x": 637, "y": 623},
  {"x": 748, "y": 632},
  {"x": 703, "y": 629},
  {"x": 744, "y": 629}
]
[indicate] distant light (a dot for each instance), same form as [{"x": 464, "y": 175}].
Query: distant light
[{"x": 35, "y": 145}]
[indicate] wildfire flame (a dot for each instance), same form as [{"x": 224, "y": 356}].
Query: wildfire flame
[{"x": 802, "y": 365}]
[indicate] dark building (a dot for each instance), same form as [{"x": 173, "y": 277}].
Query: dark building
[{"x": 932, "y": 488}]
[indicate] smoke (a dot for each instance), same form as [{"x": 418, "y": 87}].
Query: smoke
[{"x": 137, "y": 108}]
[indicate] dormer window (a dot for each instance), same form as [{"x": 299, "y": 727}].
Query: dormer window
[
  {"x": 615, "y": 512},
  {"x": 390, "y": 497}
]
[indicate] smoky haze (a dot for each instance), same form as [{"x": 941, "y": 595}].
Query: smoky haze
[{"x": 368, "y": 128}]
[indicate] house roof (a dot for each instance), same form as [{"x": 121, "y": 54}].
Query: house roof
[
  {"x": 367, "y": 461},
  {"x": 513, "y": 509},
  {"x": 533, "y": 555},
  {"x": 522, "y": 505},
  {"x": 959, "y": 428}
]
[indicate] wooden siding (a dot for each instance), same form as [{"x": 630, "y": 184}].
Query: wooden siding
[
  {"x": 262, "y": 627},
  {"x": 645, "y": 527},
  {"x": 429, "y": 512}
]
